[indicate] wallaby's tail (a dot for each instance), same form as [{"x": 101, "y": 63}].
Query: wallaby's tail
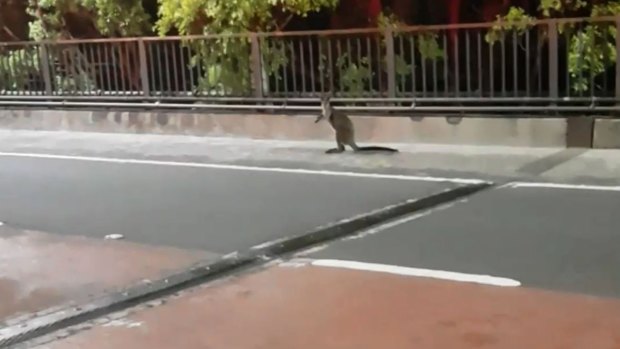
[{"x": 377, "y": 148}]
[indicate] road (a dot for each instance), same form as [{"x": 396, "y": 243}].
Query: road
[
  {"x": 215, "y": 209},
  {"x": 493, "y": 261},
  {"x": 556, "y": 239}
]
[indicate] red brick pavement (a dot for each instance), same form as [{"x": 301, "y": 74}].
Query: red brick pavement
[
  {"x": 317, "y": 307},
  {"x": 39, "y": 270}
]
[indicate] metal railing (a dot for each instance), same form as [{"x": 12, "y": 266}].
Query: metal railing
[{"x": 555, "y": 65}]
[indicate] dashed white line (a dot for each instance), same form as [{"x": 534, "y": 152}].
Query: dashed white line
[
  {"x": 408, "y": 271},
  {"x": 242, "y": 168}
]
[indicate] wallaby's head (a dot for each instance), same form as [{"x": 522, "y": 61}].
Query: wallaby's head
[{"x": 326, "y": 108}]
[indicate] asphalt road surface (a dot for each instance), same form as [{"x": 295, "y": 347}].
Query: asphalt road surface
[
  {"x": 558, "y": 239},
  {"x": 219, "y": 210}
]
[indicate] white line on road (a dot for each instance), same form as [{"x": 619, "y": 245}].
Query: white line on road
[
  {"x": 408, "y": 271},
  {"x": 242, "y": 168},
  {"x": 561, "y": 186},
  {"x": 268, "y": 243},
  {"x": 391, "y": 224}
]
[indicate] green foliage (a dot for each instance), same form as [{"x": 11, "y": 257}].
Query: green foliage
[
  {"x": 16, "y": 67},
  {"x": 591, "y": 53},
  {"x": 111, "y": 17},
  {"x": 229, "y": 58},
  {"x": 354, "y": 76},
  {"x": 389, "y": 21},
  {"x": 515, "y": 20},
  {"x": 230, "y": 16},
  {"x": 591, "y": 46},
  {"x": 80, "y": 82},
  {"x": 224, "y": 62},
  {"x": 555, "y": 8},
  {"x": 119, "y": 17},
  {"x": 402, "y": 69},
  {"x": 274, "y": 57},
  {"x": 428, "y": 46}
]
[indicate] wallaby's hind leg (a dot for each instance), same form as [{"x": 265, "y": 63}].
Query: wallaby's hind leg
[
  {"x": 340, "y": 144},
  {"x": 340, "y": 149}
]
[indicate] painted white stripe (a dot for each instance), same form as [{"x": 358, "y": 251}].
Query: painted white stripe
[
  {"x": 561, "y": 186},
  {"x": 268, "y": 243},
  {"x": 242, "y": 168},
  {"x": 391, "y": 224},
  {"x": 407, "y": 271}
]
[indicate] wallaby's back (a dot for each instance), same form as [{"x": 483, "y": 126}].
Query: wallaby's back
[{"x": 342, "y": 124}]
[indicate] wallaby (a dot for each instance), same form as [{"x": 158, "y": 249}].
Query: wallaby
[{"x": 345, "y": 134}]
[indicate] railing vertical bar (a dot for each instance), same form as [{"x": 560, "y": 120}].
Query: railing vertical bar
[
  {"x": 302, "y": 65},
  {"x": 468, "y": 60},
  {"x": 479, "y": 57},
  {"x": 390, "y": 64},
  {"x": 446, "y": 64},
  {"x": 617, "y": 91},
  {"x": 527, "y": 63},
  {"x": 457, "y": 73},
  {"x": 312, "y": 66},
  {"x": 45, "y": 69},
  {"x": 553, "y": 59},
  {"x": 515, "y": 65},
  {"x": 256, "y": 67},
  {"x": 504, "y": 70},
  {"x": 144, "y": 73},
  {"x": 413, "y": 66}
]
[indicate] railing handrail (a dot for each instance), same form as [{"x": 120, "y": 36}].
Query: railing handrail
[{"x": 248, "y": 34}]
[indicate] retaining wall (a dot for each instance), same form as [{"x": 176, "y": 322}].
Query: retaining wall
[{"x": 513, "y": 131}]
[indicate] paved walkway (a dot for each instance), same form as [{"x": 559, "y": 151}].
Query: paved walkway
[
  {"x": 39, "y": 271},
  {"x": 287, "y": 307}
]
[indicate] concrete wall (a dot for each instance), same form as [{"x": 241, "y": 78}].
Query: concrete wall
[
  {"x": 606, "y": 133},
  {"x": 550, "y": 132}
]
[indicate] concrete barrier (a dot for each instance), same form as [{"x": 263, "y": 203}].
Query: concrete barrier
[
  {"x": 606, "y": 134},
  {"x": 538, "y": 132}
]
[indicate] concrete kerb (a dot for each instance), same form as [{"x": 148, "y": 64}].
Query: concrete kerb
[
  {"x": 471, "y": 130},
  {"x": 232, "y": 263}
]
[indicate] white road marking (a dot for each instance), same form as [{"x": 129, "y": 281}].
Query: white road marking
[
  {"x": 268, "y": 243},
  {"x": 122, "y": 323},
  {"x": 243, "y": 168},
  {"x": 391, "y": 224},
  {"x": 408, "y": 271},
  {"x": 560, "y": 186},
  {"x": 113, "y": 237},
  {"x": 311, "y": 250}
]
